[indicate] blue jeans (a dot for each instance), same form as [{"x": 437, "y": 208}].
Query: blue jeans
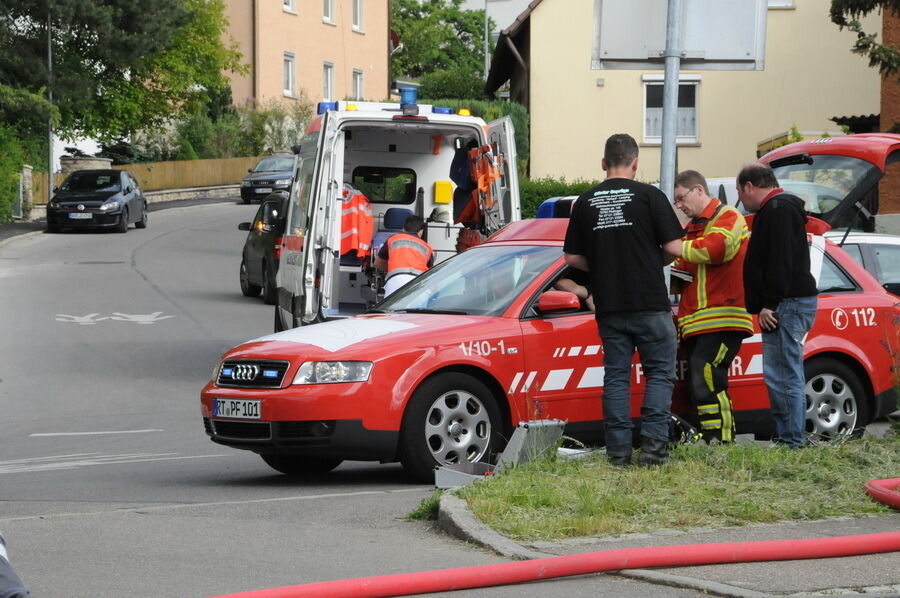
[
  {"x": 783, "y": 367},
  {"x": 652, "y": 333}
]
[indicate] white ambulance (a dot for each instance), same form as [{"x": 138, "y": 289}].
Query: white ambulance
[{"x": 399, "y": 158}]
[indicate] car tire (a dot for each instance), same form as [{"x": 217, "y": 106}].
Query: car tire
[
  {"x": 452, "y": 418},
  {"x": 122, "y": 227},
  {"x": 142, "y": 223},
  {"x": 836, "y": 402},
  {"x": 248, "y": 288},
  {"x": 270, "y": 293},
  {"x": 301, "y": 465}
]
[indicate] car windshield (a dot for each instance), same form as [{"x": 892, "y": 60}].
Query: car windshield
[
  {"x": 273, "y": 164},
  {"x": 92, "y": 181},
  {"x": 483, "y": 281},
  {"x": 824, "y": 184}
]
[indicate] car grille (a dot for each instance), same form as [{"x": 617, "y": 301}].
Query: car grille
[
  {"x": 239, "y": 430},
  {"x": 252, "y": 373},
  {"x": 305, "y": 433}
]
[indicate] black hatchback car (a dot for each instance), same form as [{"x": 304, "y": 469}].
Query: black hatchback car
[
  {"x": 271, "y": 174},
  {"x": 259, "y": 260},
  {"x": 97, "y": 199}
]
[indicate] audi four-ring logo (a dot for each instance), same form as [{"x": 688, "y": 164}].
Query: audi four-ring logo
[{"x": 245, "y": 373}]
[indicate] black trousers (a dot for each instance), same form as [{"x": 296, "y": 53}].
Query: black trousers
[{"x": 709, "y": 358}]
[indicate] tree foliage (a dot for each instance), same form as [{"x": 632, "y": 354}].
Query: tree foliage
[
  {"x": 117, "y": 65},
  {"x": 436, "y": 35},
  {"x": 846, "y": 13}
]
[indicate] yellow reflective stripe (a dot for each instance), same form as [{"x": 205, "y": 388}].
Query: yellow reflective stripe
[
  {"x": 709, "y": 408},
  {"x": 711, "y": 424},
  {"x": 702, "y": 298},
  {"x": 692, "y": 254},
  {"x": 727, "y": 418},
  {"x": 707, "y": 376},
  {"x": 723, "y": 350},
  {"x": 717, "y": 324},
  {"x": 722, "y": 310}
]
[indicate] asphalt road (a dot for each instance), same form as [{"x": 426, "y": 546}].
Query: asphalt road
[{"x": 108, "y": 485}]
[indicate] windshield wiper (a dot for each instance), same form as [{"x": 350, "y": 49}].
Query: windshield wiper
[{"x": 421, "y": 310}]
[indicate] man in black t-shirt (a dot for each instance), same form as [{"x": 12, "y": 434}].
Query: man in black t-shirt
[{"x": 623, "y": 233}]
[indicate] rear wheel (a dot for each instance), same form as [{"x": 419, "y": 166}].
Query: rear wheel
[
  {"x": 270, "y": 293},
  {"x": 248, "y": 288},
  {"x": 296, "y": 465},
  {"x": 451, "y": 419},
  {"x": 836, "y": 403}
]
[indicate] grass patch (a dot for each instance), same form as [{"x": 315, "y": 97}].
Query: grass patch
[
  {"x": 427, "y": 509},
  {"x": 701, "y": 486}
]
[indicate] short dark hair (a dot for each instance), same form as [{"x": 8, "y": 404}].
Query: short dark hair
[
  {"x": 759, "y": 174},
  {"x": 621, "y": 149},
  {"x": 689, "y": 178},
  {"x": 413, "y": 224}
]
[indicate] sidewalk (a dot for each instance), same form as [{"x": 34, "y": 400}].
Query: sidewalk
[{"x": 868, "y": 575}]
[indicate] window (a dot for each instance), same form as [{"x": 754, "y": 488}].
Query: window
[
  {"x": 386, "y": 184},
  {"x": 833, "y": 279},
  {"x": 686, "y": 115},
  {"x": 776, "y": 4},
  {"x": 888, "y": 259},
  {"x": 328, "y": 11},
  {"x": 328, "y": 82},
  {"x": 289, "y": 74},
  {"x": 357, "y": 84},
  {"x": 288, "y": 5},
  {"x": 357, "y": 15}
]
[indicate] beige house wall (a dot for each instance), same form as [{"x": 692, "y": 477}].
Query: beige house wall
[
  {"x": 810, "y": 75},
  {"x": 313, "y": 41}
]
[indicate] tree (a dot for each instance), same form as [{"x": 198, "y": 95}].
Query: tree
[
  {"x": 451, "y": 84},
  {"x": 886, "y": 58},
  {"x": 437, "y": 35},
  {"x": 118, "y": 65}
]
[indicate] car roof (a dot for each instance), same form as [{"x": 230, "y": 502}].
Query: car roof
[
  {"x": 860, "y": 237},
  {"x": 872, "y": 147},
  {"x": 532, "y": 229}
]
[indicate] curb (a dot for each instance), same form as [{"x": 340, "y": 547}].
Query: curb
[{"x": 456, "y": 519}]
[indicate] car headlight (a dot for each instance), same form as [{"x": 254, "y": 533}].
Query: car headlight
[
  {"x": 245, "y": 183},
  {"x": 330, "y": 372},
  {"x": 215, "y": 373},
  {"x": 283, "y": 182},
  {"x": 53, "y": 204},
  {"x": 111, "y": 205}
]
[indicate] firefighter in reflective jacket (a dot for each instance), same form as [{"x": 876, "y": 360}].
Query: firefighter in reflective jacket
[
  {"x": 712, "y": 318},
  {"x": 404, "y": 255}
]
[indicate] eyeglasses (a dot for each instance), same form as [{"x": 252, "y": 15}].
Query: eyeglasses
[{"x": 680, "y": 198}]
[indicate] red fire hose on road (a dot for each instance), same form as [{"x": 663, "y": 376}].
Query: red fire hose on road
[{"x": 405, "y": 584}]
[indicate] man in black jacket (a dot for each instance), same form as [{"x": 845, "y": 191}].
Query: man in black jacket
[{"x": 779, "y": 287}]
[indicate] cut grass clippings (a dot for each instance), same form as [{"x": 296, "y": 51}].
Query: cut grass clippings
[{"x": 701, "y": 486}]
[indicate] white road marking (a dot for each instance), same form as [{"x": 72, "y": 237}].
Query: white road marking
[
  {"x": 117, "y": 316},
  {"x": 44, "y": 434},
  {"x": 75, "y": 461}
]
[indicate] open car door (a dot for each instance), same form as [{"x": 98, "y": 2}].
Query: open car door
[{"x": 501, "y": 138}]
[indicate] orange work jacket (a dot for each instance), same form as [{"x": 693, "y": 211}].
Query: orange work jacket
[
  {"x": 407, "y": 254},
  {"x": 357, "y": 225}
]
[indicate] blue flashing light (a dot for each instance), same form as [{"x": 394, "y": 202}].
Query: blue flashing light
[
  {"x": 323, "y": 107},
  {"x": 270, "y": 373},
  {"x": 408, "y": 95},
  {"x": 227, "y": 372},
  {"x": 442, "y": 110}
]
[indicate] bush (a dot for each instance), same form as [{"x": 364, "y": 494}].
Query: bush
[
  {"x": 452, "y": 84},
  {"x": 10, "y": 166},
  {"x": 533, "y": 192}
]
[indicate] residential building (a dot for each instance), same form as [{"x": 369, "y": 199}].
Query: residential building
[
  {"x": 810, "y": 76},
  {"x": 323, "y": 49}
]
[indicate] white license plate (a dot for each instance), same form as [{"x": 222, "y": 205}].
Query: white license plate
[
  {"x": 236, "y": 408},
  {"x": 263, "y": 190},
  {"x": 80, "y": 216}
]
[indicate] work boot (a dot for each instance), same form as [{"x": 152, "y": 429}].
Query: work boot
[
  {"x": 653, "y": 452},
  {"x": 619, "y": 460}
]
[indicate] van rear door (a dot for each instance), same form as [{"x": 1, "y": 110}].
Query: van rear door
[{"x": 501, "y": 137}]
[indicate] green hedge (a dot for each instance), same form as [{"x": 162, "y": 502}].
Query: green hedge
[
  {"x": 10, "y": 167},
  {"x": 533, "y": 192}
]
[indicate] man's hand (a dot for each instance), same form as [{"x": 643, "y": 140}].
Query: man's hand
[{"x": 768, "y": 321}]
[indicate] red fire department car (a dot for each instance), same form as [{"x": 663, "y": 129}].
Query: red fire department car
[{"x": 442, "y": 370}]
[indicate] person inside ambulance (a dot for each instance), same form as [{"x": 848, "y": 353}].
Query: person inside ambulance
[{"x": 404, "y": 255}]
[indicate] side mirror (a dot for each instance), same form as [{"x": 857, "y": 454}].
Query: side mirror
[
  {"x": 551, "y": 302},
  {"x": 295, "y": 148},
  {"x": 244, "y": 226},
  {"x": 56, "y": 189}
]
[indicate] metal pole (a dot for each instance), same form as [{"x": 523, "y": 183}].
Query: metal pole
[
  {"x": 50, "y": 179},
  {"x": 487, "y": 62},
  {"x": 672, "y": 56}
]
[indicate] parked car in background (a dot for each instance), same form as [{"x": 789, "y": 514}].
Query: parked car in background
[
  {"x": 259, "y": 260},
  {"x": 98, "y": 199},
  {"x": 274, "y": 173},
  {"x": 441, "y": 371},
  {"x": 879, "y": 254}
]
